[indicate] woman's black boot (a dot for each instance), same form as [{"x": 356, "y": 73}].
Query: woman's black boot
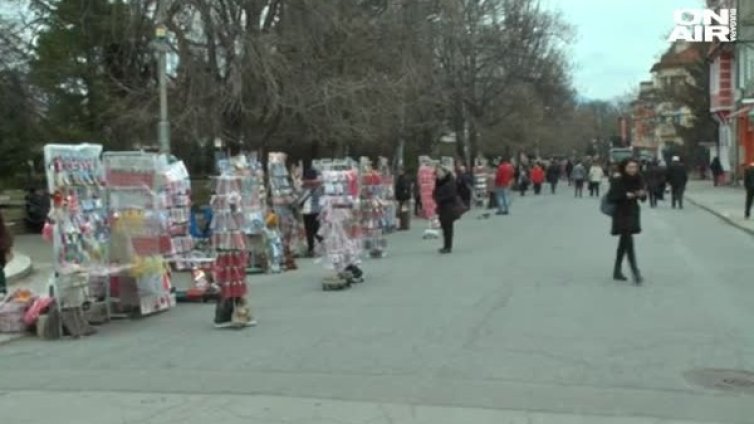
[
  {"x": 638, "y": 279},
  {"x": 618, "y": 276}
]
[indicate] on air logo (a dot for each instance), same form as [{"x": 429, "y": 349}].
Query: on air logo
[{"x": 704, "y": 25}]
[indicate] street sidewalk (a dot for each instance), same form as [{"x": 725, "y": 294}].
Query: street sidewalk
[{"x": 725, "y": 202}]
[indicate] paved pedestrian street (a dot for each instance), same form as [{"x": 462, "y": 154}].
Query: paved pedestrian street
[{"x": 521, "y": 324}]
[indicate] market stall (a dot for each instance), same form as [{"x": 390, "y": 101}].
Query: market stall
[
  {"x": 373, "y": 210},
  {"x": 388, "y": 195},
  {"x": 481, "y": 174},
  {"x": 79, "y": 232},
  {"x": 426, "y": 179},
  {"x": 232, "y": 211},
  {"x": 340, "y": 226},
  {"x": 283, "y": 199},
  {"x": 178, "y": 197},
  {"x": 139, "y": 202},
  {"x": 254, "y": 196}
]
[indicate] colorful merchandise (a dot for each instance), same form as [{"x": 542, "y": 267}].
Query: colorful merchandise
[
  {"x": 254, "y": 197},
  {"x": 481, "y": 175},
  {"x": 284, "y": 205},
  {"x": 178, "y": 193},
  {"x": 233, "y": 215},
  {"x": 78, "y": 226},
  {"x": 339, "y": 218},
  {"x": 140, "y": 200},
  {"x": 426, "y": 184},
  {"x": 373, "y": 210},
  {"x": 389, "y": 203}
]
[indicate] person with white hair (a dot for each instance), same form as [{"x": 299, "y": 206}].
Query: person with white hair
[{"x": 677, "y": 177}]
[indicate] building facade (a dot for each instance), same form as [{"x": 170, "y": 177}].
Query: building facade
[
  {"x": 721, "y": 59},
  {"x": 643, "y": 118},
  {"x": 744, "y": 77},
  {"x": 655, "y": 116}
]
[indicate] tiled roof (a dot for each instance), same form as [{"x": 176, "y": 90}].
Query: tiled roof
[{"x": 672, "y": 60}]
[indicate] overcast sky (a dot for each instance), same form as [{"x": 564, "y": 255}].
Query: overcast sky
[{"x": 617, "y": 41}]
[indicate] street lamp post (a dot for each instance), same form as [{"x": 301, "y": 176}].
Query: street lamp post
[{"x": 163, "y": 127}]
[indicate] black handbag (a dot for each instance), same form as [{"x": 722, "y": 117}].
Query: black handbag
[
  {"x": 459, "y": 208},
  {"x": 606, "y": 206}
]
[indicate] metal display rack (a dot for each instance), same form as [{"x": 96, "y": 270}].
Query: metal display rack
[
  {"x": 283, "y": 201},
  {"x": 481, "y": 174},
  {"x": 80, "y": 233},
  {"x": 373, "y": 210},
  {"x": 137, "y": 206},
  {"x": 340, "y": 221}
]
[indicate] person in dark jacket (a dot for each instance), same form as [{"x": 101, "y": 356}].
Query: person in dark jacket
[
  {"x": 677, "y": 178},
  {"x": 749, "y": 185},
  {"x": 626, "y": 189},
  {"x": 653, "y": 176},
  {"x": 465, "y": 184},
  {"x": 553, "y": 175},
  {"x": 402, "y": 196},
  {"x": 522, "y": 179},
  {"x": 445, "y": 196},
  {"x": 6, "y": 245},
  {"x": 310, "y": 207},
  {"x": 717, "y": 171}
]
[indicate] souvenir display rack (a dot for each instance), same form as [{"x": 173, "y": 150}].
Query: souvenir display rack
[
  {"x": 426, "y": 182},
  {"x": 388, "y": 198},
  {"x": 373, "y": 210},
  {"x": 339, "y": 219},
  {"x": 481, "y": 174},
  {"x": 178, "y": 191},
  {"x": 138, "y": 207},
  {"x": 255, "y": 209},
  {"x": 231, "y": 211},
  {"x": 80, "y": 231},
  {"x": 283, "y": 204}
]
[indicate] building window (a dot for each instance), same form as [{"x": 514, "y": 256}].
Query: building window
[{"x": 714, "y": 78}]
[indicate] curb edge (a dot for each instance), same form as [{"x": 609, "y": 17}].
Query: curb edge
[{"x": 722, "y": 217}]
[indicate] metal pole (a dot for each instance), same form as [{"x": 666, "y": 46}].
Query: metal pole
[{"x": 163, "y": 127}]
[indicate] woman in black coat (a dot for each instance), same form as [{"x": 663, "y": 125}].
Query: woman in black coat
[
  {"x": 445, "y": 195},
  {"x": 626, "y": 189}
]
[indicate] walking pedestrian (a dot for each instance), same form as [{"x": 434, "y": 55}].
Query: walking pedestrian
[
  {"x": 310, "y": 207},
  {"x": 6, "y": 246},
  {"x": 445, "y": 196},
  {"x": 503, "y": 183},
  {"x": 523, "y": 179},
  {"x": 717, "y": 171},
  {"x": 537, "y": 177},
  {"x": 465, "y": 185},
  {"x": 652, "y": 177},
  {"x": 626, "y": 189},
  {"x": 677, "y": 178},
  {"x": 579, "y": 175},
  {"x": 596, "y": 174},
  {"x": 569, "y": 171},
  {"x": 553, "y": 175},
  {"x": 403, "y": 196},
  {"x": 749, "y": 185},
  {"x": 491, "y": 190}
]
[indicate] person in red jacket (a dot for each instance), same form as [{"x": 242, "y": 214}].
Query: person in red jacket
[
  {"x": 503, "y": 183},
  {"x": 537, "y": 177}
]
